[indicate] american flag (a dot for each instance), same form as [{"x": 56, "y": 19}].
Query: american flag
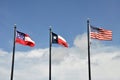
[{"x": 100, "y": 33}]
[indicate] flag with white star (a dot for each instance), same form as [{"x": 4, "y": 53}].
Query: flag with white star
[{"x": 59, "y": 40}]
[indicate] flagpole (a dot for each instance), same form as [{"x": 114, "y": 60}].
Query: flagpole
[
  {"x": 50, "y": 54},
  {"x": 88, "y": 35},
  {"x": 13, "y": 56}
]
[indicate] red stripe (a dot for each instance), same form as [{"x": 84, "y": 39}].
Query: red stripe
[
  {"x": 25, "y": 43},
  {"x": 62, "y": 42}
]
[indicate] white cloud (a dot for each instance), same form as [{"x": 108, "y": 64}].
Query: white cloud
[
  {"x": 67, "y": 63},
  {"x": 81, "y": 42}
]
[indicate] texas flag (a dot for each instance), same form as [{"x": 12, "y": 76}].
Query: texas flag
[
  {"x": 24, "y": 39},
  {"x": 59, "y": 40}
]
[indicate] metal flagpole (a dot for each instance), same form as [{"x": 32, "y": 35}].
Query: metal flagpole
[
  {"x": 50, "y": 54},
  {"x": 13, "y": 56},
  {"x": 88, "y": 35}
]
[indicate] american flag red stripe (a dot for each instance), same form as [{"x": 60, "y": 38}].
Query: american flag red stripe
[{"x": 100, "y": 34}]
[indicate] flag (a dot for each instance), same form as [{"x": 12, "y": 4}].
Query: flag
[
  {"x": 59, "y": 40},
  {"x": 100, "y": 33},
  {"x": 24, "y": 39}
]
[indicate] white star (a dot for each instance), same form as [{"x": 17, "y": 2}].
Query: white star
[{"x": 54, "y": 37}]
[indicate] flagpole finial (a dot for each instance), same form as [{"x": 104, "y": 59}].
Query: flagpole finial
[
  {"x": 14, "y": 25},
  {"x": 88, "y": 19},
  {"x": 50, "y": 27}
]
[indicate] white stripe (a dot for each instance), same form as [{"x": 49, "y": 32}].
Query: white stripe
[
  {"x": 29, "y": 39},
  {"x": 61, "y": 38}
]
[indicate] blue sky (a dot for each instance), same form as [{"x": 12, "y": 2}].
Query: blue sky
[{"x": 67, "y": 18}]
